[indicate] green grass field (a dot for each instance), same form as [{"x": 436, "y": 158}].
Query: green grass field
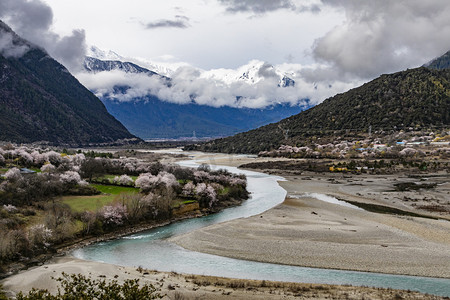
[
  {"x": 93, "y": 203},
  {"x": 110, "y": 178},
  {"x": 114, "y": 189}
]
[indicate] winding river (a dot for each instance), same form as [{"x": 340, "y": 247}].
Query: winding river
[{"x": 150, "y": 249}]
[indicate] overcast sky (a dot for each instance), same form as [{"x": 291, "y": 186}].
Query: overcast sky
[
  {"x": 337, "y": 43},
  {"x": 204, "y": 33}
]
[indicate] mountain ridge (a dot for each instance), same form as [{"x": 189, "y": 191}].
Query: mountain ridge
[
  {"x": 413, "y": 98},
  {"x": 41, "y": 101},
  {"x": 439, "y": 63}
]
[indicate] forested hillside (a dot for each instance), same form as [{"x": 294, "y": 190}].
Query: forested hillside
[
  {"x": 415, "y": 98},
  {"x": 440, "y": 63},
  {"x": 41, "y": 101}
]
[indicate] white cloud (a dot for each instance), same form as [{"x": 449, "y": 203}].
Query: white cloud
[
  {"x": 326, "y": 46},
  {"x": 177, "y": 22},
  {"x": 189, "y": 84},
  {"x": 257, "y": 6},
  {"x": 383, "y": 36},
  {"x": 8, "y": 48},
  {"x": 32, "y": 20}
]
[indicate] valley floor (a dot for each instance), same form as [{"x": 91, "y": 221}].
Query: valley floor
[
  {"x": 308, "y": 232},
  {"x": 301, "y": 231}
]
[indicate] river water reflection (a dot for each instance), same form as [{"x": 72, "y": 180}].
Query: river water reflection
[{"x": 150, "y": 249}]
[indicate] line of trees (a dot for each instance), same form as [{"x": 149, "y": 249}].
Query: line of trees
[{"x": 33, "y": 219}]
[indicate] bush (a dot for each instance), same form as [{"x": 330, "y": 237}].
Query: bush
[
  {"x": 2, "y": 294},
  {"x": 13, "y": 244},
  {"x": 82, "y": 287},
  {"x": 114, "y": 215},
  {"x": 83, "y": 190}
]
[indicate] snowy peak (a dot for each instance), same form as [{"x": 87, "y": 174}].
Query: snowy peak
[
  {"x": 95, "y": 65},
  {"x": 286, "y": 81},
  {"x": 251, "y": 73},
  {"x": 103, "y": 55},
  {"x": 94, "y": 52},
  {"x": 161, "y": 69}
]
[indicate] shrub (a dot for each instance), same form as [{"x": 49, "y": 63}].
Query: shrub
[
  {"x": 70, "y": 177},
  {"x": 207, "y": 194},
  {"x": 39, "y": 235},
  {"x": 48, "y": 168},
  {"x": 189, "y": 189},
  {"x": 123, "y": 180},
  {"x": 83, "y": 190},
  {"x": 82, "y": 287},
  {"x": 10, "y": 208},
  {"x": 2, "y": 293},
  {"x": 114, "y": 214},
  {"x": 59, "y": 219},
  {"x": 13, "y": 174},
  {"x": 12, "y": 244},
  {"x": 159, "y": 205},
  {"x": 134, "y": 204},
  {"x": 148, "y": 182}
]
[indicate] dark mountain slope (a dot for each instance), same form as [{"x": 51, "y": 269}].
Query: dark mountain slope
[
  {"x": 41, "y": 101},
  {"x": 413, "y": 98},
  {"x": 440, "y": 63},
  {"x": 151, "y": 118}
]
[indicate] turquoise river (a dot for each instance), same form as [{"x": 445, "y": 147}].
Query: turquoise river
[{"x": 150, "y": 249}]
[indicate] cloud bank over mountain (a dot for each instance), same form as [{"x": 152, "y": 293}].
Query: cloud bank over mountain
[
  {"x": 339, "y": 45},
  {"x": 32, "y": 20},
  {"x": 8, "y": 48},
  {"x": 255, "y": 85}
]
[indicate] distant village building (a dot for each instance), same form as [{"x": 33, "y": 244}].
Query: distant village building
[
  {"x": 379, "y": 146},
  {"x": 25, "y": 171}
]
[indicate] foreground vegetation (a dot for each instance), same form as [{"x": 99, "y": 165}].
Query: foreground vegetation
[
  {"x": 184, "y": 287},
  {"x": 81, "y": 287},
  {"x": 74, "y": 195}
]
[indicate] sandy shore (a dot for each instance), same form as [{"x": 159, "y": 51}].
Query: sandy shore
[
  {"x": 180, "y": 286},
  {"x": 305, "y": 231}
]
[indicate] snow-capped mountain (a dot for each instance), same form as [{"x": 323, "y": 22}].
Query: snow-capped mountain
[
  {"x": 160, "y": 68},
  {"x": 95, "y": 65},
  {"x": 142, "y": 99},
  {"x": 251, "y": 73},
  {"x": 95, "y": 52},
  {"x": 109, "y": 55}
]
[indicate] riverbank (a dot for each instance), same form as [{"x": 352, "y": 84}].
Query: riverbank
[
  {"x": 39, "y": 224},
  {"x": 305, "y": 231},
  {"x": 182, "y": 286},
  {"x": 182, "y": 213}
]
